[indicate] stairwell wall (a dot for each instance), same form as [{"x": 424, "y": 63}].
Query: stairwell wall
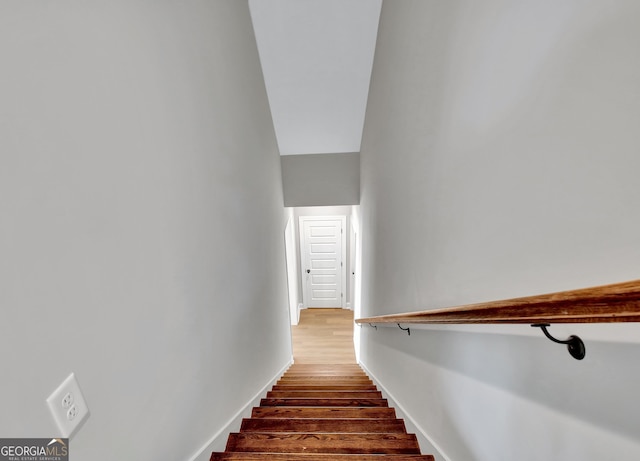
[
  {"x": 499, "y": 159},
  {"x": 141, "y": 222}
]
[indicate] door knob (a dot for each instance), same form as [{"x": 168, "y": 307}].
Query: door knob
[{"x": 308, "y": 271}]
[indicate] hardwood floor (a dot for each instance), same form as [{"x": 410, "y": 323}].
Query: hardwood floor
[{"x": 324, "y": 336}]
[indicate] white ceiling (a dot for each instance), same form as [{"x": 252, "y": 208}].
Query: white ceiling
[{"x": 316, "y": 58}]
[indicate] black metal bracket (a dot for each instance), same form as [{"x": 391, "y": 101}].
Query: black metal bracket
[
  {"x": 373, "y": 326},
  {"x": 408, "y": 330},
  {"x": 574, "y": 343}
]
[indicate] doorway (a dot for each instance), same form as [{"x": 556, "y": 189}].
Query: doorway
[{"x": 323, "y": 258}]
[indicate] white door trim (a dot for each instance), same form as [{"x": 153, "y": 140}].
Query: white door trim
[
  {"x": 303, "y": 255},
  {"x": 291, "y": 255}
]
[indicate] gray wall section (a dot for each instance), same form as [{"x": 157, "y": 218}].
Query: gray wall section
[
  {"x": 141, "y": 222},
  {"x": 513, "y": 128},
  {"x": 321, "y": 179}
]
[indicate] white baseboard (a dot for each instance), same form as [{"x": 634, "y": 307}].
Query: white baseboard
[
  {"x": 218, "y": 441},
  {"x": 348, "y": 306},
  {"x": 300, "y": 307},
  {"x": 426, "y": 443}
]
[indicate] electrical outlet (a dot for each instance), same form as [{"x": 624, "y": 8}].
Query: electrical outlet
[
  {"x": 68, "y": 406},
  {"x": 72, "y": 413},
  {"x": 67, "y": 400}
]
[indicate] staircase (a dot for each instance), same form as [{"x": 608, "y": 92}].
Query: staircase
[{"x": 322, "y": 413}]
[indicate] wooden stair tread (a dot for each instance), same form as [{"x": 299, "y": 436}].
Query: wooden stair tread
[
  {"x": 324, "y": 383},
  {"x": 294, "y": 377},
  {"x": 308, "y": 425},
  {"x": 325, "y": 365},
  {"x": 331, "y": 402},
  {"x": 330, "y": 383},
  {"x": 287, "y": 442},
  {"x": 323, "y": 412},
  {"x": 248, "y": 456},
  {"x": 325, "y": 370},
  {"x": 300, "y": 377},
  {"x": 324, "y": 394},
  {"x": 320, "y": 387},
  {"x": 354, "y": 372},
  {"x": 327, "y": 373}
]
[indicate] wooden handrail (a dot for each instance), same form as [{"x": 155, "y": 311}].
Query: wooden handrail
[{"x": 619, "y": 302}]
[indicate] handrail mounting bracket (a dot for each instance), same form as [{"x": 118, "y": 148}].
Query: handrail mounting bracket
[{"x": 575, "y": 345}]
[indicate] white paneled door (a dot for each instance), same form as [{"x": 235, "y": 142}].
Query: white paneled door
[{"x": 322, "y": 243}]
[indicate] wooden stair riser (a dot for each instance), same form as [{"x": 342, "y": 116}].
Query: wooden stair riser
[
  {"x": 248, "y": 456},
  {"x": 325, "y": 383},
  {"x": 323, "y": 443},
  {"x": 334, "y": 381},
  {"x": 320, "y": 366},
  {"x": 323, "y": 412},
  {"x": 330, "y": 378},
  {"x": 309, "y": 425},
  {"x": 324, "y": 394},
  {"x": 326, "y": 378},
  {"x": 324, "y": 369},
  {"x": 326, "y": 373},
  {"x": 308, "y": 402},
  {"x": 323, "y": 387}
]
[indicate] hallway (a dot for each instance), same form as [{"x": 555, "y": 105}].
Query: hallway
[
  {"x": 323, "y": 336},
  {"x": 143, "y": 223}
]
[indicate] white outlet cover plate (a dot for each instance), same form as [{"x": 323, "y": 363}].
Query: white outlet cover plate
[{"x": 60, "y": 411}]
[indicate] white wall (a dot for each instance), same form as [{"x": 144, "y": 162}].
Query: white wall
[
  {"x": 321, "y": 179},
  {"x": 500, "y": 159},
  {"x": 141, "y": 222}
]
